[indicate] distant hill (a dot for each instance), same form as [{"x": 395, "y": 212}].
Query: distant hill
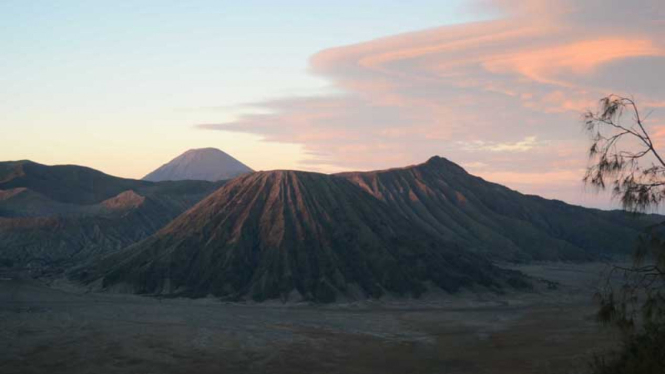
[
  {"x": 56, "y": 216},
  {"x": 209, "y": 164},
  {"x": 64, "y": 183},
  {"x": 294, "y": 236}
]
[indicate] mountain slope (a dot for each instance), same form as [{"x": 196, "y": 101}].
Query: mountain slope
[
  {"x": 207, "y": 164},
  {"x": 293, "y": 235},
  {"x": 56, "y": 216},
  {"x": 488, "y": 218},
  {"x": 64, "y": 183}
]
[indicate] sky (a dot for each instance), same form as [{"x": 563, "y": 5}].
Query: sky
[{"x": 497, "y": 86}]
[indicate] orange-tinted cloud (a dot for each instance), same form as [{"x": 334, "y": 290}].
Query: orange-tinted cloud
[
  {"x": 573, "y": 59},
  {"x": 506, "y": 93}
]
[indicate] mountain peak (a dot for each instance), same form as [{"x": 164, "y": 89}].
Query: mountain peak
[
  {"x": 443, "y": 162},
  {"x": 436, "y": 159},
  {"x": 207, "y": 150},
  {"x": 209, "y": 164}
]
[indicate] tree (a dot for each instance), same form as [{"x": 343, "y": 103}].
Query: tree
[
  {"x": 638, "y": 186},
  {"x": 623, "y": 156}
]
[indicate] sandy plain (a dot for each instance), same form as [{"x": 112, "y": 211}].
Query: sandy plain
[{"x": 52, "y": 327}]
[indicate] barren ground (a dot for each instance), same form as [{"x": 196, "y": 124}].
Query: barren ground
[{"x": 58, "y": 329}]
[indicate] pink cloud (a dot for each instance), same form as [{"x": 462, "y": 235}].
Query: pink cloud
[
  {"x": 517, "y": 82},
  {"x": 577, "y": 58}
]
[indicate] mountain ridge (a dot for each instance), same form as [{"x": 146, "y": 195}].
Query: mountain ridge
[
  {"x": 295, "y": 235},
  {"x": 422, "y": 226},
  {"x": 57, "y": 216},
  {"x": 64, "y": 183},
  {"x": 458, "y": 206}
]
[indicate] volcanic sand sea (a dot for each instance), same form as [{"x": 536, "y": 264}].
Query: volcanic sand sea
[{"x": 60, "y": 329}]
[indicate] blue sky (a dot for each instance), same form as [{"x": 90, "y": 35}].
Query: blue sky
[
  {"x": 81, "y": 81},
  {"x": 236, "y": 52}
]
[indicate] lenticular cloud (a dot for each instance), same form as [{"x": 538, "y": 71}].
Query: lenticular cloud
[{"x": 525, "y": 75}]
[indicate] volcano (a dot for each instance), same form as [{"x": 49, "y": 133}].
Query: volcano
[
  {"x": 294, "y": 236},
  {"x": 208, "y": 164}
]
